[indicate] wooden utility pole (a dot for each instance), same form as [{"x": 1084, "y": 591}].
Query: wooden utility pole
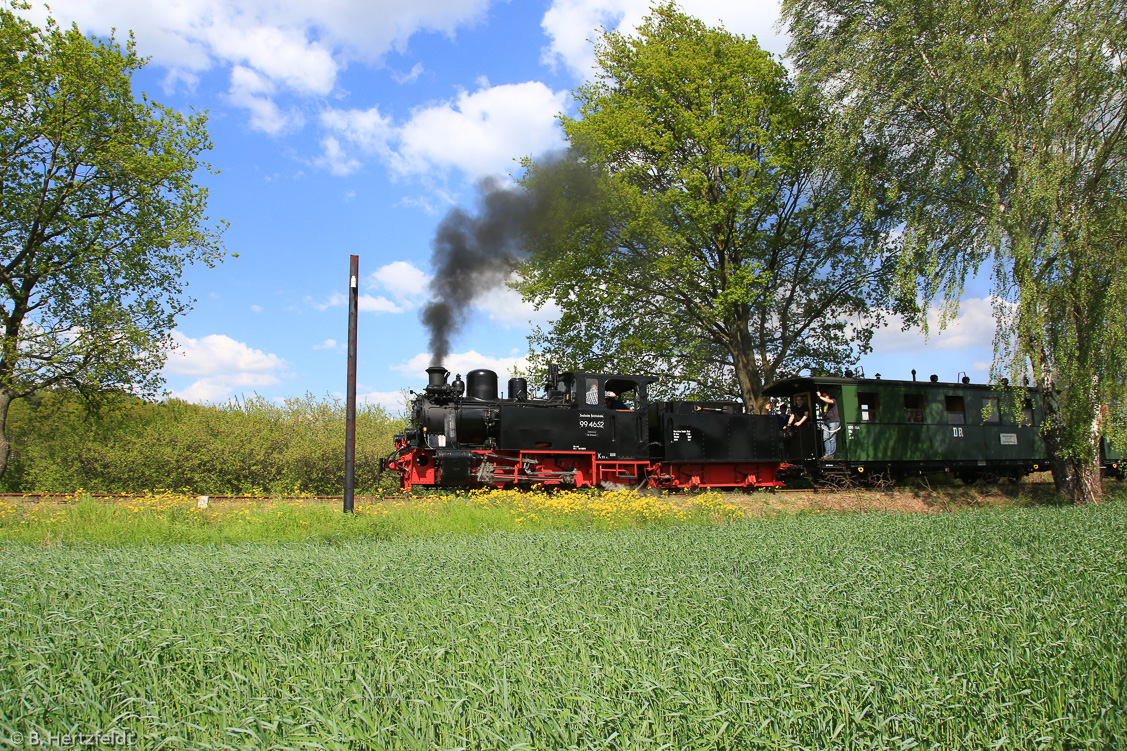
[{"x": 350, "y": 389}]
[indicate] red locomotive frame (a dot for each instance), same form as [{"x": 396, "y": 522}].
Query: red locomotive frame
[{"x": 581, "y": 469}]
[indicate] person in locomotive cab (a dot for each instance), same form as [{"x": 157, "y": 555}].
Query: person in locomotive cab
[
  {"x": 831, "y": 423},
  {"x": 613, "y": 402},
  {"x": 800, "y": 414},
  {"x": 593, "y": 393}
]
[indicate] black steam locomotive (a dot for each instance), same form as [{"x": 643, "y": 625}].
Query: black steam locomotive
[{"x": 589, "y": 430}]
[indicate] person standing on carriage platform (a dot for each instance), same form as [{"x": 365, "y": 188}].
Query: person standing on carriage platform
[{"x": 831, "y": 423}]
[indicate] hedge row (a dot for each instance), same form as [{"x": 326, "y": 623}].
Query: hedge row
[{"x": 126, "y": 445}]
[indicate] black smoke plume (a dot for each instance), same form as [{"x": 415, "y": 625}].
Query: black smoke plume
[{"x": 475, "y": 253}]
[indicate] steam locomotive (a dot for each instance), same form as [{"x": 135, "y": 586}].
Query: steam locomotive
[{"x": 589, "y": 430}]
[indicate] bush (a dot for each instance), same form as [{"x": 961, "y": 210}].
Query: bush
[{"x": 126, "y": 445}]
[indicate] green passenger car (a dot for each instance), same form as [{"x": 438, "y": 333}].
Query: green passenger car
[{"x": 894, "y": 429}]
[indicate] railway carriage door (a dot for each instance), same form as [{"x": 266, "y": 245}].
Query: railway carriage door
[
  {"x": 960, "y": 443},
  {"x": 831, "y": 443},
  {"x": 621, "y": 398}
]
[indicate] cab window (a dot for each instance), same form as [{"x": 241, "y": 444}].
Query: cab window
[{"x": 591, "y": 390}]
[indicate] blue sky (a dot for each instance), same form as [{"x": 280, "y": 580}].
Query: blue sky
[{"x": 351, "y": 127}]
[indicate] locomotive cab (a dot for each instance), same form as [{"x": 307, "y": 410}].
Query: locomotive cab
[{"x": 605, "y": 414}]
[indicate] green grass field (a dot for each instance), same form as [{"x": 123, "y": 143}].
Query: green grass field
[{"x": 972, "y": 630}]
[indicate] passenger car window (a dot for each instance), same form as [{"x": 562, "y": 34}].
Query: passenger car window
[
  {"x": 914, "y": 407},
  {"x": 956, "y": 413},
  {"x": 869, "y": 403},
  {"x": 990, "y": 410}
]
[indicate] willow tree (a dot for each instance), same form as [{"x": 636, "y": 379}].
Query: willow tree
[
  {"x": 693, "y": 229},
  {"x": 1005, "y": 124},
  {"x": 99, "y": 215}
]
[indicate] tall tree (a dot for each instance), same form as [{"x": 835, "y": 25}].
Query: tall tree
[
  {"x": 99, "y": 215},
  {"x": 1004, "y": 121},
  {"x": 692, "y": 229}
]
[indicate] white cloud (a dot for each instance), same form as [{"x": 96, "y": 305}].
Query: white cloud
[
  {"x": 275, "y": 35},
  {"x": 366, "y": 303},
  {"x": 434, "y": 201},
  {"x": 400, "y": 279},
  {"x": 974, "y": 327},
  {"x": 379, "y": 304},
  {"x": 506, "y": 307},
  {"x": 482, "y": 132},
  {"x": 411, "y": 77},
  {"x": 479, "y": 133},
  {"x": 252, "y": 92},
  {"x": 217, "y": 354},
  {"x": 281, "y": 55},
  {"x": 394, "y": 402},
  {"x": 330, "y": 344},
  {"x": 407, "y": 286},
  {"x": 571, "y": 24},
  {"x": 220, "y": 365},
  {"x": 297, "y": 45},
  {"x": 335, "y": 159},
  {"x": 751, "y": 18},
  {"x": 366, "y": 129},
  {"x": 217, "y": 389},
  {"x": 462, "y": 362}
]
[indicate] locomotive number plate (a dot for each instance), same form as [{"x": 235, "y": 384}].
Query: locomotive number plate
[{"x": 592, "y": 423}]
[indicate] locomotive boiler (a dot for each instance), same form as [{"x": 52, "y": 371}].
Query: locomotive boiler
[{"x": 588, "y": 430}]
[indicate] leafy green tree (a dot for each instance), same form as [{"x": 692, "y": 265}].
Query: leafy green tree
[
  {"x": 1004, "y": 123},
  {"x": 99, "y": 216},
  {"x": 692, "y": 229}
]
